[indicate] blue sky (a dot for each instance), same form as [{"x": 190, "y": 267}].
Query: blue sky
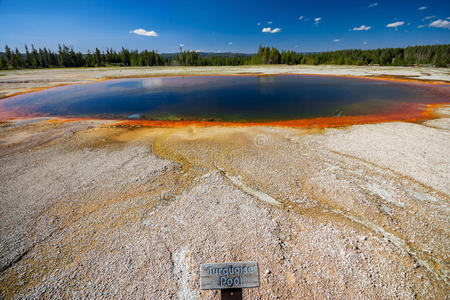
[{"x": 223, "y": 26}]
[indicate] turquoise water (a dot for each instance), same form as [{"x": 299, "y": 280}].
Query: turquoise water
[{"x": 226, "y": 98}]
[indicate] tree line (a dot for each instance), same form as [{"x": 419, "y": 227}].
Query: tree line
[
  {"x": 67, "y": 58},
  {"x": 436, "y": 55},
  {"x": 193, "y": 58}
]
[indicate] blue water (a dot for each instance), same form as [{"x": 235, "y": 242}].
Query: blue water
[{"x": 226, "y": 98}]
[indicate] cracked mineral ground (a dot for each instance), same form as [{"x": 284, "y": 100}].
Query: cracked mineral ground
[{"x": 93, "y": 210}]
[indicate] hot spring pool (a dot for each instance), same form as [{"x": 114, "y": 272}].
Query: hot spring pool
[{"x": 225, "y": 98}]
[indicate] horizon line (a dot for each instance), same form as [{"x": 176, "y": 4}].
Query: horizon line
[{"x": 213, "y": 52}]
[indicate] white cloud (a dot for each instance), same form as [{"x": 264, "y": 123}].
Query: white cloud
[
  {"x": 395, "y": 24},
  {"x": 181, "y": 45},
  {"x": 301, "y": 18},
  {"x": 270, "y": 22},
  {"x": 317, "y": 20},
  {"x": 427, "y": 18},
  {"x": 421, "y": 26},
  {"x": 337, "y": 40},
  {"x": 364, "y": 43},
  {"x": 259, "y": 23},
  {"x": 440, "y": 24},
  {"x": 230, "y": 43},
  {"x": 362, "y": 27},
  {"x": 144, "y": 32},
  {"x": 270, "y": 30},
  {"x": 373, "y": 4},
  {"x": 422, "y": 8},
  {"x": 448, "y": 18}
]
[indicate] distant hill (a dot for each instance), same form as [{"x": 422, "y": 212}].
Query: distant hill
[{"x": 209, "y": 54}]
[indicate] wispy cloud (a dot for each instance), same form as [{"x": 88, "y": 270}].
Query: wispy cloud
[
  {"x": 270, "y": 30},
  {"x": 259, "y": 23},
  {"x": 230, "y": 43},
  {"x": 317, "y": 20},
  {"x": 337, "y": 40},
  {"x": 144, "y": 32},
  {"x": 364, "y": 43},
  {"x": 427, "y": 18},
  {"x": 421, "y": 26},
  {"x": 181, "y": 45},
  {"x": 301, "y": 18},
  {"x": 422, "y": 8},
  {"x": 395, "y": 24},
  {"x": 362, "y": 27},
  {"x": 440, "y": 24},
  {"x": 373, "y": 4},
  {"x": 270, "y": 22}
]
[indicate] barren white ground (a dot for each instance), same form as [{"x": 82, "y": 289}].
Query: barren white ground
[{"x": 92, "y": 211}]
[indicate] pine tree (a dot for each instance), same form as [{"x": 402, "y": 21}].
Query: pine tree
[
  {"x": 125, "y": 57},
  {"x": 9, "y": 55},
  {"x": 27, "y": 56},
  {"x": 89, "y": 60},
  {"x": 15, "y": 59},
  {"x": 34, "y": 57},
  {"x": 98, "y": 58},
  {"x": 3, "y": 65},
  {"x": 42, "y": 58}
]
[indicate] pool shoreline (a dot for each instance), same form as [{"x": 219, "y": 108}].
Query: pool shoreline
[
  {"x": 394, "y": 78},
  {"x": 429, "y": 112},
  {"x": 415, "y": 112}
]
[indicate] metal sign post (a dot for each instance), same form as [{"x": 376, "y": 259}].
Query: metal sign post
[
  {"x": 231, "y": 294},
  {"x": 229, "y": 278}
]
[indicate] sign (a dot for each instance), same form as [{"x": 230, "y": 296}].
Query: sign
[{"x": 234, "y": 275}]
